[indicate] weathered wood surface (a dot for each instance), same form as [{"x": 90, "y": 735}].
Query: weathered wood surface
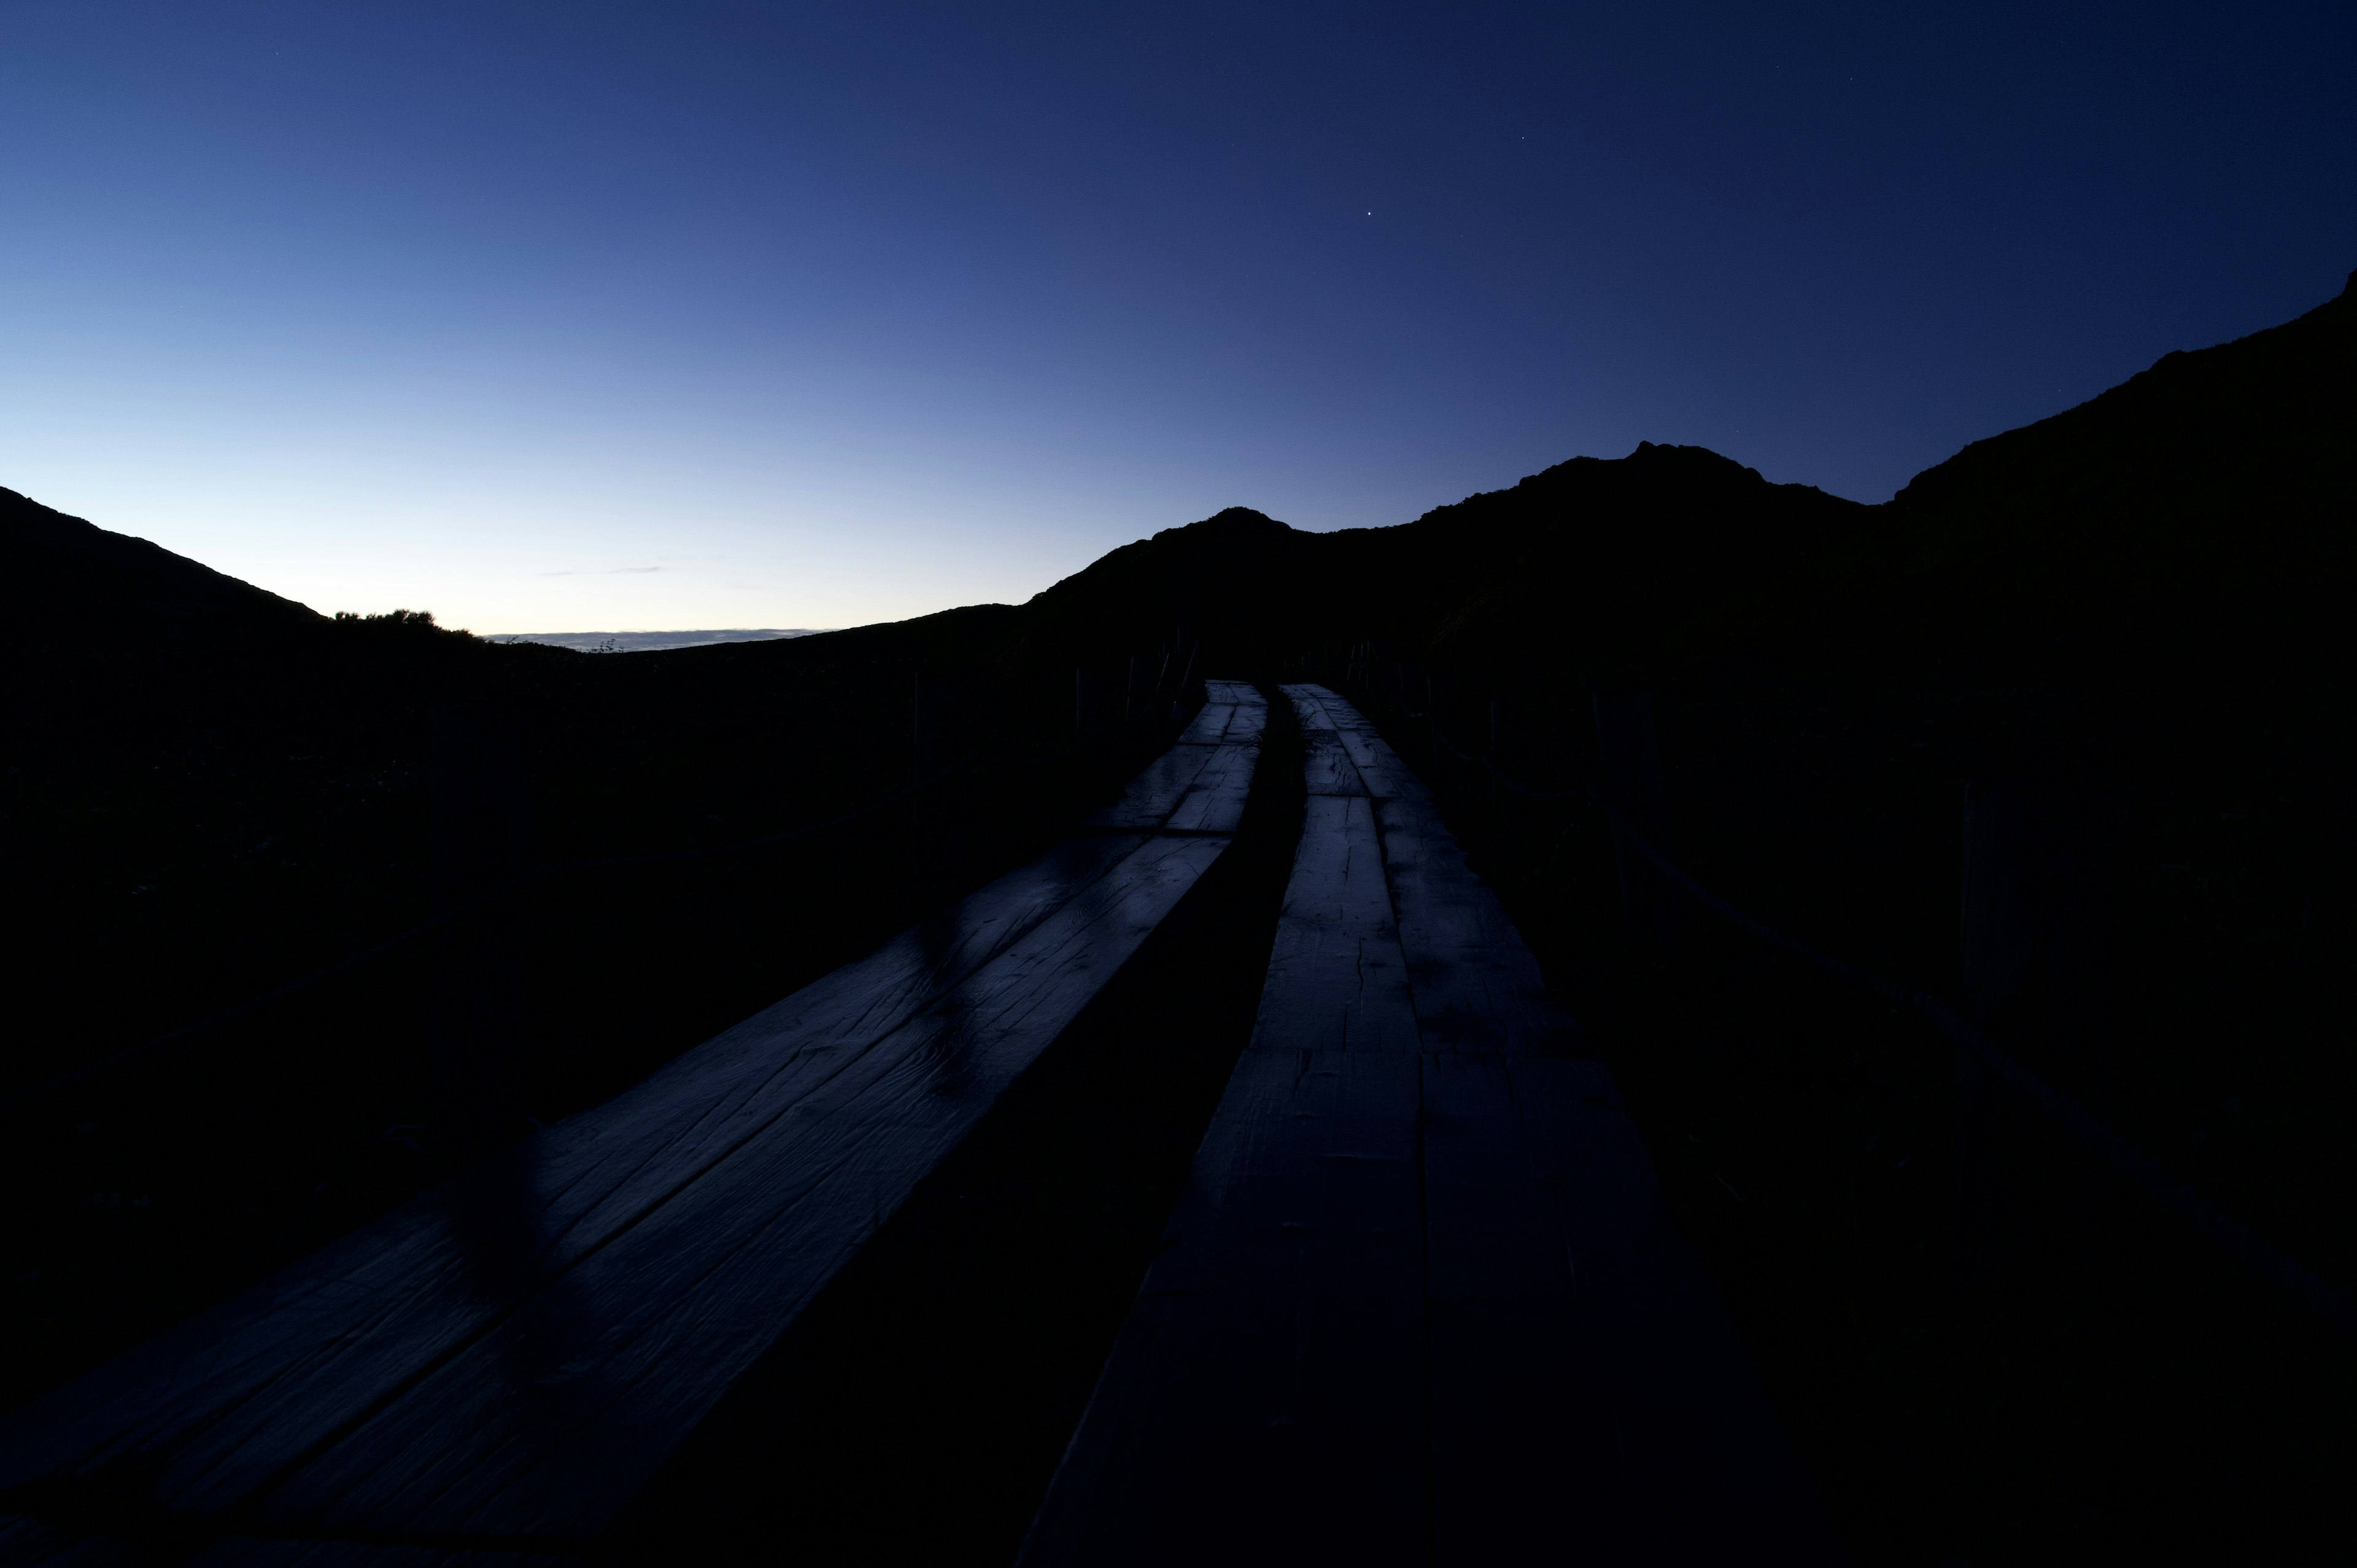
[
  {"x": 1201, "y": 782},
  {"x": 1418, "y": 1304},
  {"x": 508, "y": 1358},
  {"x": 1476, "y": 985},
  {"x": 1265, "y": 1401},
  {"x": 1337, "y": 962}
]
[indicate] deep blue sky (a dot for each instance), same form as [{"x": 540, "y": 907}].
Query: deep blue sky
[{"x": 571, "y": 315}]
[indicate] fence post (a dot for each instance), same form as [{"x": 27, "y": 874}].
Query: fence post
[
  {"x": 916, "y": 725},
  {"x": 1629, "y": 749},
  {"x": 1187, "y": 677},
  {"x": 1496, "y": 765},
  {"x": 920, "y": 749},
  {"x": 479, "y": 837}
]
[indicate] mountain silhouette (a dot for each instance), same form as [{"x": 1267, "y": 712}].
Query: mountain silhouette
[
  {"x": 1590, "y": 562},
  {"x": 2185, "y": 532},
  {"x": 66, "y": 576},
  {"x": 2204, "y": 501},
  {"x": 2200, "y": 507},
  {"x": 2138, "y": 606}
]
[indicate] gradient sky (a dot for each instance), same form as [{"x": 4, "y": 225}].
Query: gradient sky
[{"x": 567, "y": 316}]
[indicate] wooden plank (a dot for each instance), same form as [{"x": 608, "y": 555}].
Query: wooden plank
[
  {"x": 1380, "y": 768},
  {"x": 546, "y": 1424},
  {"x": 1153, "y": 794},
  {"x": 1585, "y": 1378},
  {"x": 1232, "y": 711},
  {"x": 1215, "y": 803},
  {"x": 1326, "y": 766},
  {"x": 1265, "y": 1401},
  {"x": 1476, "y": 985},
  {"x": 1336, "y": 980},
  {"x": 1264, "y": 1404},
  {"x": 522, "y": 1347},
  {"x": 311, "y": 1350},
  {"x": 1208, "y": 724},
  {"x": 1549, "y": 1377},
  {"x": 1530, "y": 1392},
  {"x": 1200, "y": 784}
]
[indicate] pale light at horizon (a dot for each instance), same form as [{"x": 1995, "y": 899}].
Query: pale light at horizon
[{"x": 719, "y": 316}]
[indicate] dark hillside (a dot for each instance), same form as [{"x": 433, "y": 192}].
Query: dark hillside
[
  {"x": 207, "y": 792},
  {"x": 192, "y": 772},
  {"x": 1592, "y": 562},
  {"x": 66, "y": 576},
  {"x": 2206, "y": 509},
  {"x": 2124, "y": 631},
  {"x": 1237, "y": 577},
  {"x": 1672, "y": 553},
  {"x": 2137, "y": 609}
]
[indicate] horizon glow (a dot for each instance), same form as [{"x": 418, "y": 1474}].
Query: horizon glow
[{"x": 550, "y": 318}]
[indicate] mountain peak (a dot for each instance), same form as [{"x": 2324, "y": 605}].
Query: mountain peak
[
  {"x": 1237, "y": 520},
  {"x": 1689, "y": 459}
]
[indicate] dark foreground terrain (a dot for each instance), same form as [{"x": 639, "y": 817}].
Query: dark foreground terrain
[{"x": 1989, "y": 1349}]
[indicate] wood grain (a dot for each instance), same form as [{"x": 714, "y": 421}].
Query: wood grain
[
  {"x": 269, "y": 1376},
  {"x": 1150, "y": 797},
  {"x": 1384, "y": 775},
  {"x": 545, "y": 1424},
  {"x": 509, "y": 1357},
  {"x": 1418, "y": 1303},
  {"x": 1477, "y": 986},
  {"x": 1233, "y": 712},
  {"x": 1264, "y": 1401},
  {"x": 1337, "y": 979}
]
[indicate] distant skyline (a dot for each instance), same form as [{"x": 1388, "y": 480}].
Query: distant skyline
[
  {"x": 647, "y": 641},
  {"x": 729, "y": 314}
]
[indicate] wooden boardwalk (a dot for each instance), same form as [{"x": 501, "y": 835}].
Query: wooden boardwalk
[
  {"x": 487, "y": 1376},
  {"x": 1418, "y": 1304}
]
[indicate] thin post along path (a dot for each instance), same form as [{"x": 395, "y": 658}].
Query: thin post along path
[
  {"x": 1417, "y": 1303},
  {"x": 503, "y": 1364}
]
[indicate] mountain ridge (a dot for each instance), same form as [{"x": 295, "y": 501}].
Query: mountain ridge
[{"x": 1642, "y": 556}]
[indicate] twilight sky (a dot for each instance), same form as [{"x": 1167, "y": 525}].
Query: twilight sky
[{"x": 571, "y": 315}]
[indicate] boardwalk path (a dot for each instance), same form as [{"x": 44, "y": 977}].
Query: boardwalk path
[
  {"x": 1418, "y": 1304},
  {"x": 498, "y": 1367}
]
